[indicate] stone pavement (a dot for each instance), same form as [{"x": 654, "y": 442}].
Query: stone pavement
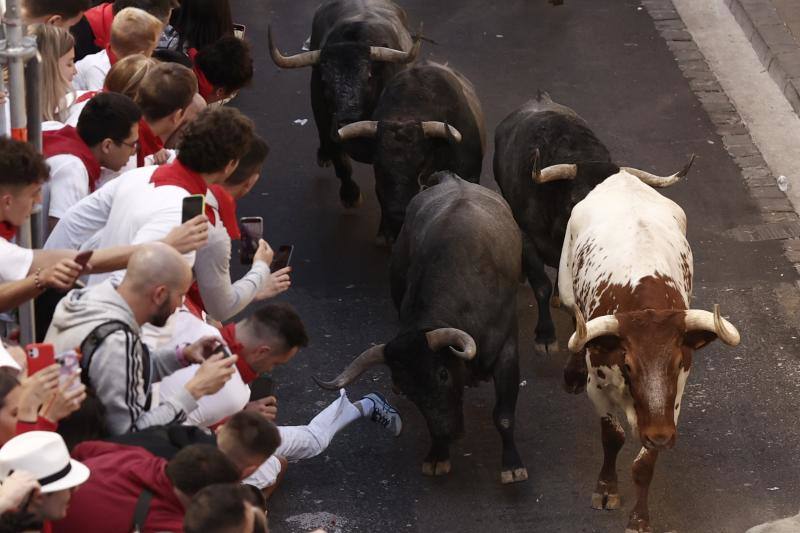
[{"x": 773, "y": 27}]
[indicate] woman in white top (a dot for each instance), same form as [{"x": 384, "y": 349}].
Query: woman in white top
[{"x": 57, "y": 49}]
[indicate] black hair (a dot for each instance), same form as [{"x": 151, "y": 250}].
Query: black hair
[
  {"x": 226, "y": 63},
  {"x": 66, "y": 8},
  {"x": 160, "y": 9},
  {"x": 251, "y": 162},
  {"x": 107, "y": 116},
  {"x": 281, "y": 318},
  {"x": 215, "y": 137},
  {"x": 199, "y": 465},
  {"x": 254, "y": 434},
  {"x": 165, "y": 55},
  {"x": 20, "y": 164},
  {"x": 216, "y": 509},
  {"x": 202, "y": 22},
  {"x": 8, "y": 382}
]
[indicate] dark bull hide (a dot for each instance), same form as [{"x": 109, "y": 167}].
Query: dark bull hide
[
  {"x": 356, "y": 48},
  {"x": 455, "y": 271},
  {"x": 547, "y": 160},
  {"x": 428, "y": 119}
]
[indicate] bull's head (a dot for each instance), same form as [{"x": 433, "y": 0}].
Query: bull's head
[
  {"x": 406, "y": 154},
  {"x": 572, "y": 171},
  {"x": 349, "y": 72},
  {"x": 650, "y": 352},
  {"x": 428, "y": 368}
]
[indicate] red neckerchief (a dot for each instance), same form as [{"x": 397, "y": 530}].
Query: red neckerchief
[
  {"x": 100, "y": 18},
  {"x": 88, "y": 95},
  {"x": 204, "y": 87},
  {"x": 8, "y": 230},
  {"x": 194, "y": 302},
  {"x": 227, "y": 211},
  {"x": 229, "y": 336},
  {"x": 67, "y": 141},
  {"x": 149, "y": 143},
  {"x": 112, "y": 57},
  {"x": 177, "y": 174}
]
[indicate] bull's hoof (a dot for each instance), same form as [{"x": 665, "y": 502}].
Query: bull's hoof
[
  {"x": 438, "y": 468},
  {"x": 323, "y": 160},
  {"x": 546, "y": 348},
  {"x": 609, "y": 502},
  {"x": 638, "y": 525},
  {"x": 350, "y": 195},
  {"x": 513, "y": 476}
]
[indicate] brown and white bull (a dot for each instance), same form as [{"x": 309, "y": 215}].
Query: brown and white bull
[{"x": 626, "y": 265}]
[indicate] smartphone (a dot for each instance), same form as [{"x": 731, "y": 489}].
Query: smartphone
[
  {"x": 83, "y": 257},
  {"x": 40, "y": 355},
  {"x": 252, "y": 231},
  {"x": 282, "y": 257},
  {"x": 238, "y": 30},
  {"x": 193, "y": 206},
  {"x": 224, "y": 349}
]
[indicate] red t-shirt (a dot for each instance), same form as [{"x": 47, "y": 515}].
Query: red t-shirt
[{"x": 119, "y": 474}]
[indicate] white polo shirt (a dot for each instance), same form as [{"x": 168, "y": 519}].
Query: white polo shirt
[
  {"x": 140, "y": 213},
  {"x": 15, "y": 263},
  {"x": 68, "y": 185},
  {"x": 92, "y": 71}
]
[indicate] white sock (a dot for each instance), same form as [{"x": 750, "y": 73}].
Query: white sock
[{"x": 366, "y": 406}]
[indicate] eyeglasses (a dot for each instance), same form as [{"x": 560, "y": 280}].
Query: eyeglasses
[{"x": 133, "y": 146}]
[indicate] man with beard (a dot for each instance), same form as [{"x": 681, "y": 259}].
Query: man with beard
[{"x": 104, "y": 322}]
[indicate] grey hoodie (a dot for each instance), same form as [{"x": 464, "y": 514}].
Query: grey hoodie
[{"x": 117, "y": 368}]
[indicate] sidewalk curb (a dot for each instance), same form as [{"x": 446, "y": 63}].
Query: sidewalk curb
[
  {"x": 781, "y": 222},
  {"x": 773, "y": 43}
]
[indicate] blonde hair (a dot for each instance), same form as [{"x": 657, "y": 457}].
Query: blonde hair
[
  {"x": 135, "y": 31},
  {"x": 127, "y": 74},
  {"x": 54, "y": 43}
]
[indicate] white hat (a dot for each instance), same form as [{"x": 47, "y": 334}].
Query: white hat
[
  {"x": 44, "y": 455},
  {"x": 7, "y": 360}
]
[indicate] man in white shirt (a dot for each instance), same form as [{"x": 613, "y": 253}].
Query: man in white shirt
[
  {"x": 25, "y": 273},
  {"x": 107, "y": 136},
  {"x": 134, "y": 31},
  {"x": 148, "y": 201}
]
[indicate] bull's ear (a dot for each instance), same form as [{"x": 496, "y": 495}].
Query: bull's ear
[{"x": 698, "y": 338}]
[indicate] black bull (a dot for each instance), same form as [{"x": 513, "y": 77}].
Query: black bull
[
  {"x": 428, "y": 119},
  {"x": 356, "y": 47},
  {"x": 454, "y": 274},
  {"x": 546, "y": 160}
]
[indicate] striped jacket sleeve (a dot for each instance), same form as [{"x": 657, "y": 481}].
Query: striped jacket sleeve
[{"x": 118, "y": 376}]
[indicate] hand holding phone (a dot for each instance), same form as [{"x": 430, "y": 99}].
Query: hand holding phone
[
  {"x": 83, "y": 258},
  {"x": 40, "y": 356},
  {"x": 193, "y": 206},
  {"x": 252, "y": 232},
  {"x": 282, "y": 257}
]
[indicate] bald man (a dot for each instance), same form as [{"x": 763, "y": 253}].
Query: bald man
[{"x": 104, "y": 322}]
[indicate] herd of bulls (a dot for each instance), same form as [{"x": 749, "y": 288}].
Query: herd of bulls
[{"x": 460, "y": 250}]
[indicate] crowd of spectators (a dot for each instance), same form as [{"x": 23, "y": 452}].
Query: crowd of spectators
[{"x": 146, "y": 416}]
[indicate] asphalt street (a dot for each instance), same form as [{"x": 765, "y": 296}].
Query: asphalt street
[{"x": 734, "y": 464}]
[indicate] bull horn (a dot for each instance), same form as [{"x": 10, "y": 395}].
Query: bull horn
[
  {"x": 362, "y": 128},
  {"x": 390, "y": 55},
  {"x": 371, "y": 357},
  {"x": 660, "y": 181},
  {"x": 713, "y": 322},
  {"x": 434, "y": 129},
  {"x": 587, "y": 331},
  {"x": 305, "y": 59},
  {"x": 553, "y": 172},
  {"x": 460, "y": 342}
]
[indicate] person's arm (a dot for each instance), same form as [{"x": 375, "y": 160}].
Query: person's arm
[
  {"x": 222, "y": 298},
  {"x": 120, "y": 388},
  {"x": 61, "y": 276}
]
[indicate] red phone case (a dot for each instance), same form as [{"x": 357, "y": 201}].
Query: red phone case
[{"x": 40, "y": 355}]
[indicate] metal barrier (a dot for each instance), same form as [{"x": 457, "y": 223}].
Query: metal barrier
[{"x": 19, "y": 54}]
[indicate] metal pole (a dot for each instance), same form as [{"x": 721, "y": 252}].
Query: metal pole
[
  {"x": 16, "y": 50},
  {"x": 33, "y": 73}
]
